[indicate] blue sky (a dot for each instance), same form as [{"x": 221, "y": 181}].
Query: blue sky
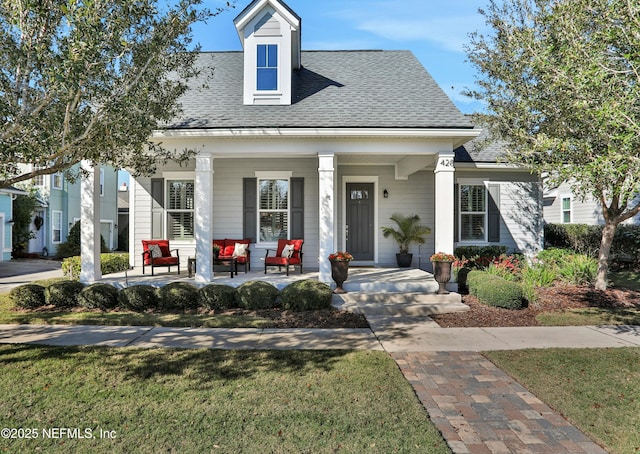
[{"x": 435, "y": 31}]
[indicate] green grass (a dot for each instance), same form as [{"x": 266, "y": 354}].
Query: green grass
[
  {"x": 590, "y": 316},
  {"x": 212, "y": 401},
  {"x": 598, "y": 390}
]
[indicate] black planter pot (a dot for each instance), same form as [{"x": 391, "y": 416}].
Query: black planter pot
[
  {"x": 404, "y": 260},
  {"x": 339, "y": 273}
]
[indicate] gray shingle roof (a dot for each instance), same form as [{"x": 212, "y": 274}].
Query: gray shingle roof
[
  {"x": 334, "y": 89},
  {"x": 481, "y": 149}
]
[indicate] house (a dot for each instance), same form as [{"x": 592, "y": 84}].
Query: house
[
  {"x": 562, "y": 207},
  {"x": 59, "y": 209},
  {"x": 7, "y": 196},
  {"x": 324, "y": 146}
]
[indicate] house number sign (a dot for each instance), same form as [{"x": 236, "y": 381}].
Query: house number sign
[{"x": 445, "y": 164}]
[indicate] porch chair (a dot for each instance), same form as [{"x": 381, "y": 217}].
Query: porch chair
[
  {"x": 229, "y": 249},
  {"x": 291, "y": 256},
  {"x": 157, "y": 253}
]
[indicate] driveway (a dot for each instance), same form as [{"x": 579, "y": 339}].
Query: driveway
[{"x": 22, "y": 271}]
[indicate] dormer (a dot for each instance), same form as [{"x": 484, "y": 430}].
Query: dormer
[{"x": 270, "y": 34}]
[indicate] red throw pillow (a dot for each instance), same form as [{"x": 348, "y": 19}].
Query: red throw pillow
[{"x": 228, "y": 251}]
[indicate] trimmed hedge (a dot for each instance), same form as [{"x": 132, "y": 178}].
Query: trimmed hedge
[
  {"x": 256, "y": 295},
  {"x": 178, "y": 296},
  {"x": 63, "y": 294},
  {"x": 493, "y": 290},
  {"x": 217, "y": 297},
  {"x": 99, "y": 296},
  {"x": 109, "y": 263},
  {"x": 28, "y": 296},
  {"x": 139, "y": 298},
  {"x": 306, "y": 295}
]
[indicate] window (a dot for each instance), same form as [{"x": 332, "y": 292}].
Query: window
[
  {"x": 566, "y": 210},
  {"x": 273, "y": 209},
  {"x": 56, "y": 180},
  {"x": 56, "y": 226},
  {"x": 267, "y": 67},
  {"x": 180, "y": 209},
  {"x": 473, "y": 212}
]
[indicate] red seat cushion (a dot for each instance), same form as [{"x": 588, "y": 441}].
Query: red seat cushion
[
  {"x": 164, "y": 248},
  {"x": 281, "y": 261},
  {"x": 166, "y": 261},
  {"x": 297, "y": 247}
]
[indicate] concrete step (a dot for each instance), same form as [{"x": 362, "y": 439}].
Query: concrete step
[
  {"x": 426, "y": 286},
  {"x": 399, "y": 304}
]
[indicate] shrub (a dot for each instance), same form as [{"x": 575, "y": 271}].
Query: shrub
[
  {"x": 494, "y": 290},
  {"x": 255, "y": 295},
  {"x": 71, "y": 247},
  {"x": 63, "y": 294},
  {"x": 506, "y": 266},
  {"x": 306, "y": 295},
  {"x": 578, "y": 269},
  {"x": 28, "y": 296},
  {"x": 534, "y": 277},
  {"x": 178, "y": 296},
  {"x": 479, "y": 256},
  {"x": 139, "y": 298},
  {"x": 98, "y": 296},
  {"x": 626, "y": 244},
  {"x": 554, "y": 256},
  {"x": 217, "y": 297},
  {"x": 109, "y": 263}
]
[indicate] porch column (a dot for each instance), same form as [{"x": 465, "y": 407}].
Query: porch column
[
  {"x": 203, "y": 218},
  {"x": 444, "y": 203},
  {"x": 326, "y": 210},
  {"x": 90, "y": 223}
]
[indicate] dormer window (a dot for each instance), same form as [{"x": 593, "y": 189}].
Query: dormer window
[{"x": 267, "y": 67}]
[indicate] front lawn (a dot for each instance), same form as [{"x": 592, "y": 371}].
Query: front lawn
[
  {"x": 598, "y": 390},
  {"x": 211, "y": 401}
]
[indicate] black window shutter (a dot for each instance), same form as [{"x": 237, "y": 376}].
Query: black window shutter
[
  {"x": 157, "y": 208},
  {"x": 297, "y": 208},
  {"x": 494, "y": 213},
  {"x": 249, "y": 208},
  {"x": 456, "y": 214}
]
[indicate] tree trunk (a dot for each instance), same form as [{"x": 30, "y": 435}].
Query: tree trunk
[{"x": 608, "y": 233}]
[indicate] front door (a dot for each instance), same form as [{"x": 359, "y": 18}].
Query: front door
[{"x": 360, "y": 221}]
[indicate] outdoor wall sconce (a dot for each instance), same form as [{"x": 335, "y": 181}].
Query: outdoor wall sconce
[
  {"x": 385, "y": 194},
  {"x": 11, "y": 222}
]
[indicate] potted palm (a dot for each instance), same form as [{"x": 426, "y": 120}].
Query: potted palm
[{"x": 409, "y": 231}]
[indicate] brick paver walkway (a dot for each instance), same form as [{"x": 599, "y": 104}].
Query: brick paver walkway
[{"x": 478, "y": 408}]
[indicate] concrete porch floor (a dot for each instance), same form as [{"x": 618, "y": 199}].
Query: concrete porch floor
[{"x": 361, "y": 279}]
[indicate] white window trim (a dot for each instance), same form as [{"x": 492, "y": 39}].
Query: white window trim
[
  {"x": 271, "y": 175},
  {"x": 570, "y": 197},
  {"x": 53, "y": 226},
  {"x": 53, "y": 179},
  {"x": 473, "y": 182},
  {"x": 178, "y": 176}
]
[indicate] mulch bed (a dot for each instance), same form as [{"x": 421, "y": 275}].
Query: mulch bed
[{"x": 551, "y": 299}]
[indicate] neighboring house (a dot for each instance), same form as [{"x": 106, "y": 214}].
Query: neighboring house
[
  {"x": 123, "y": 217},
  {"x": 59, "y": 210},
  {"x": 7, "y": 196},
  {"x": 562, "y": 207},
  {"x": 324, "y": 146}
]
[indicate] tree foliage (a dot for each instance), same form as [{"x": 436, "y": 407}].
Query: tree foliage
[
  {"x": 90, "y": 80},
  {"x": 561, "y": 81},
  {"x": 24, "y": 207}
]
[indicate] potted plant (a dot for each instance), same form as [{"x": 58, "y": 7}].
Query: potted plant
[
  {"x": 340, "y": 269},
  {"x": 442, "y": 270},
  {"x": 409, "y": 231}
]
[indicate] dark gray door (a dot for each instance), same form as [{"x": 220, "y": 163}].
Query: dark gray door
[{"x": 360, "y": 220}]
